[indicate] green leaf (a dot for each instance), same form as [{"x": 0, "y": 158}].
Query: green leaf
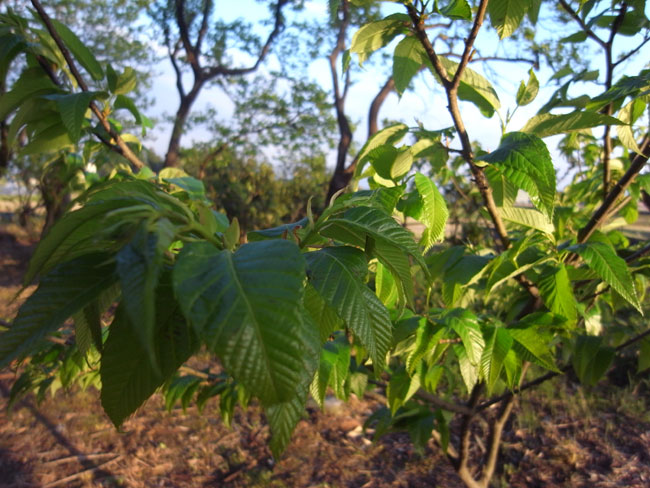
[
  {"x": 474, "y": 88},
  {"x": 377, "y": 34},
  {"x": 391, "y": 163},
  {"x": 528, "y": 217},
  {"x": 85, "y": 57},
  {"x": 465, "y": 324},
  {"x": 125, "y": 82},
  {"x": 359, "y": 222},
  {"x": 524, "y": 161},
  {"x": 456, "y": 9},
  {"x": 401, "y": 387},
  {"x": 31, "y": 83},
  {"x": 506, "y": 15},
  {"x": 611, "y": 268},
  {"x": 60, "y": 294},
  {"x": 627, "y": 86},
  {"x": 434, "y": 211},
  {"x": 128, "y": 378},
  {"x": 528, "y": 92},
  {"x": 629, "y": 114},
  {"x": 530, "y": 346},
  {"x": 545, "y": 125},
  {"x": 284, "y": 416},
  {"x": 124, "y": 102},
  {"x": 52, "y": 139},
  {"x": 388, "y": 136},
  {"x": 385, "y": 286},
  {"x": 72, "y": 108},
  {"x": 427, "y": 338},
  {"x": 557, "y": 293},
  {"x": 336, "y": 273},
  {"x": 139, "y": 265},
  {"x": 321, "y": 313},
  {"x": 468, "y": 370},
  {"x": 390, "y": 242},
  {"x": 333, "y": 369},
  {"x": 88, "y": 321},
  {"x": 590, "y": 360},
  {"x": 497, "y": 345},
  {"x": 504, "y": 192},
  {"x": 247, "y": 307},
  {"x": 407, "y": 61},
  {"x": 84, "y": 230},
  {"x": 10, "y": 46}
]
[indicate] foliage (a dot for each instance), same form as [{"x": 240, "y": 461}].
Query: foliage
[{"x": 349, "y": 298}]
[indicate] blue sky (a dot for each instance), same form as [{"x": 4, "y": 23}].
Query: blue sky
[{"x": 424, "y": 103}]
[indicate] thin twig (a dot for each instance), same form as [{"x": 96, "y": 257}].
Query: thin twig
[
  {"x": 77, "y": 457},
  {"x": 68, "y": 479}
]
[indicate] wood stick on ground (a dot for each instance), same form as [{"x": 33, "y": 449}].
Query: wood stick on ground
[
  {"x": 78, "y": 457},
  {"x": 68, "y": 479}
]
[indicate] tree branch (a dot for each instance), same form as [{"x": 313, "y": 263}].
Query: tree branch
[
  {"x": 121, "y": 147},
  {"x": 469, "y": 44},
  {"x": 565, "y": 5},
  {"x": 607, "y": 139},
  {"x": 552, "y": 374},
  {"x": 277, "y": 28},
  {"x": 600, "y": 216}
]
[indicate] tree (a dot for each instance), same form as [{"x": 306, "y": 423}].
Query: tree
[
  {"x": 348, "y": 299},
  {"x": 196, "y": 42}
]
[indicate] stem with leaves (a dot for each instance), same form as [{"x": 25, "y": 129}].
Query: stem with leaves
[{"x": 120, "y": 146}]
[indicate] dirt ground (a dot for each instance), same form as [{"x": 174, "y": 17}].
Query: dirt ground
[{"x": 562, "y": 436}]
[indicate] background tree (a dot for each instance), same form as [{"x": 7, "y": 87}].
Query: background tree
[{"x": 196, "y": 42}]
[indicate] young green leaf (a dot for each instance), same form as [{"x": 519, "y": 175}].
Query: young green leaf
[
  {"x": 525, "y": 162},
  {"x": 506, "y": 15},
  {"x": 336, "y": 274},
  {"x": 375, "y": 35},
  {"x": 557, "y": 293},
  {"x": 474, "y": 88},
  {"x": 456, "y": 9},
  {"x": 465, "y": 324},
  {"x": 407, "y": 61},
  {"x": 61, "y": 293},
  {"x": 79, "y": 50},
  {"x": 497, "y": 345},
  {"x": 528, "y": 92},
  {"x": 528, "y": 217},
  {"x": 545, "y": 125},
  {"x": 387, "y": 136},
  {"x": 611, "y": 268},
  {"x": 434, "y": 211}
]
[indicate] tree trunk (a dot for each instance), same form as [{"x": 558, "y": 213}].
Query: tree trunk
[{"x": 172, "y": 158}]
